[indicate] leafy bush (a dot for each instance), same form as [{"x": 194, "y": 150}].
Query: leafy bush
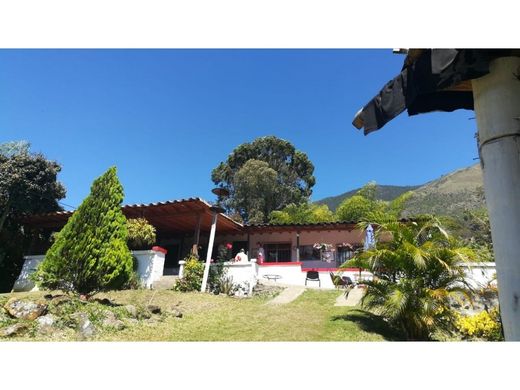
[
  {"x": 193, "y": 273},
  {"x": 140, "y": 233},
  {"x": 90, "y": 253},
  {"x": 484, "y": 325},
  {"x": 217, "y": 270},
  {"x": 134, "y": 282},
  {"x": 416, "y": 276},
  {"x": 226, "y": 286}
]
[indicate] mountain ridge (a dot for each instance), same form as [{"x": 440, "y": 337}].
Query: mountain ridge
[{"x": 450, "y": 194}]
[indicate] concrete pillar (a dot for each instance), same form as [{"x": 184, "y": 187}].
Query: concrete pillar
[
  {"x": 497, "y": 108},
  {"x": 181, "y": 268}
]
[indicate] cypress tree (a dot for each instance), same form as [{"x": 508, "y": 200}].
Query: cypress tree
[{"x": 90, "y": 253}]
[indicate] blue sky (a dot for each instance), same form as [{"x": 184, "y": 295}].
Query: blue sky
[{"x": 166, "y": 118}]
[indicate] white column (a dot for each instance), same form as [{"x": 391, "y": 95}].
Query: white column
[
  {"x": 181, "y": 268},
  {"x": 254, "y": 277},
  {"x": 210, "y": 252},
  {"x": 497, "y": 107}
]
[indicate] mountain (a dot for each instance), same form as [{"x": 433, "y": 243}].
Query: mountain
[
  {"x": 383, "y": 192},
  {"x": 451, "y": 194}
]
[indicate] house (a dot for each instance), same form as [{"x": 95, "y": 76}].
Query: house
[{"x": 184, "y": 225}]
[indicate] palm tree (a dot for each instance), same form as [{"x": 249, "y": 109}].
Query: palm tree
[{"x": 417, "y": 272}]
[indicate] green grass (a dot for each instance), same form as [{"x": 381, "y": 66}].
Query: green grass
[{"x": 311, "y": 317}]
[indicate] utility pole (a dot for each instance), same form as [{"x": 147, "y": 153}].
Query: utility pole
[{"x": 497, "y": 107}]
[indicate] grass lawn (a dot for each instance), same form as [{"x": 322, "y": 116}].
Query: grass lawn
[{"x": 311, "y": 317}]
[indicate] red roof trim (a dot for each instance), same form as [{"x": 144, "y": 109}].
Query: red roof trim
[{"x": 159, "y": 249}]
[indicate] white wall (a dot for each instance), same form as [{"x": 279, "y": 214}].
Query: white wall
[
  {"x": 150, "y": 266},
  {"x": 479, "y": 275},
  {"x": 150, "y": 269}
]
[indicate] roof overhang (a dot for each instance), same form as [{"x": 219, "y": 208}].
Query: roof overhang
[{"x": 177, "y": 216}]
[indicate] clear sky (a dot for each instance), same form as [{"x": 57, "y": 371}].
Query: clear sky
[{"x": 166, "y": 118}]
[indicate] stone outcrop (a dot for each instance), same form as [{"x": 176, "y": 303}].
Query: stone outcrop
[
  {"x": 14, "y": 330},
  {"x": 111, "y": 321},
  {"x": 25, "y": 309}
]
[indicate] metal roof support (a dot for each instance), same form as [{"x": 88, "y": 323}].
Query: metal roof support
[{"x": 497, "y": 107}]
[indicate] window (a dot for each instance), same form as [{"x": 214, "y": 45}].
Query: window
[
  {"x": 276, "y": 253},
  {"x": 346, "y": 253},
  {"x": 307, "y": 252}
]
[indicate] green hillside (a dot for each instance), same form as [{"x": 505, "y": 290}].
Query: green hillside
[
  {"x": 383, "y": 192},
  {"x": 451, "y": 194}
]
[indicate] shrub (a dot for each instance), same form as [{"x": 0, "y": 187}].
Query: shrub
[
  {"x": 140, "y": 233},
  {"x": 484, "y": 325},
  {"x": 134, "y": 282},
  {"x": 90, "y": 253},
  {"x": 193, "y": 273},
  {"x": 217, "y": 270},
  {"x": 226, "y": 286}
]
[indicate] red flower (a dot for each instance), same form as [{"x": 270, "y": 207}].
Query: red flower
[{"x": 229, "y": 246}]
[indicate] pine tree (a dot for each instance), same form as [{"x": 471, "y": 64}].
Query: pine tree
[{"x": 90, "y": 253}]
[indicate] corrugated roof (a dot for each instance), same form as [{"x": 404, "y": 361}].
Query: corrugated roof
[{"x": 172, "y": 215}]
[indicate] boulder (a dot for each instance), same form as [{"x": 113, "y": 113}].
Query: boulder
[
  {"x": 132, "y": 321},
  {"x": 46, "y": 324},
  {"x": 111, "y": 321},
  {"x": 25, "y": 309},
  {"x": 13, "y": 330},
  {"x": 131, "y": 310},
  {"x": 154, "y": 309},
  {"x": 174, "y": 311},
  {"x": 85, "y": 328}
]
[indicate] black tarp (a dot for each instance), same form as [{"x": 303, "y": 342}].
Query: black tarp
[{"x": 420, "y": 87}]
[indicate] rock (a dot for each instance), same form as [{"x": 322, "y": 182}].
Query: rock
[
  {"x": 131, "y": 310},
  {"x": 13, "y": 330},
  {"x": 175, "y": 312},
  {"x": 111, "y": 321},
  {"x": 154, "y": 309},
  {"x": 132, "y": 321},
  {"x": 25, "y": 309},
  {"x": 46, "y": 324},
  {"x": 85, "y": 328}
]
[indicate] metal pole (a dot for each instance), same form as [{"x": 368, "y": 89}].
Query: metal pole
[
  {"x": 497, "y": 107},
  {"x": 298, "y": 246},
  {"x": 209, "y": 253}
]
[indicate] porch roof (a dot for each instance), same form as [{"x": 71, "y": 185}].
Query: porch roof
[
  {"x": 280, "y": 227},
  {"x": 173, "y": 216}
]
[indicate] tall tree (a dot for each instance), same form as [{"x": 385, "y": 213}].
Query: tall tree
[
  {"x": 254, "y": 190},
  {"x": 28, "y": 185},
  {"x": 294, "y": 176},
  {"x": 90, "y": 253}
]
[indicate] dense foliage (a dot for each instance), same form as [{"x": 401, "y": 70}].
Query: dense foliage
[
  {"x": 365, "y": 202},
  {"x": 302, "y": 213},
  {"x": 417, "y": 274},
  {"x": 28, "y": 185},
  {"x": 482, "y": 326},
  {"x": 192, "y": 277},
  {"x": 140, "y": 233},
  {"x": 293, "y": 184},
  {"x": 90, "y": 253}
]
